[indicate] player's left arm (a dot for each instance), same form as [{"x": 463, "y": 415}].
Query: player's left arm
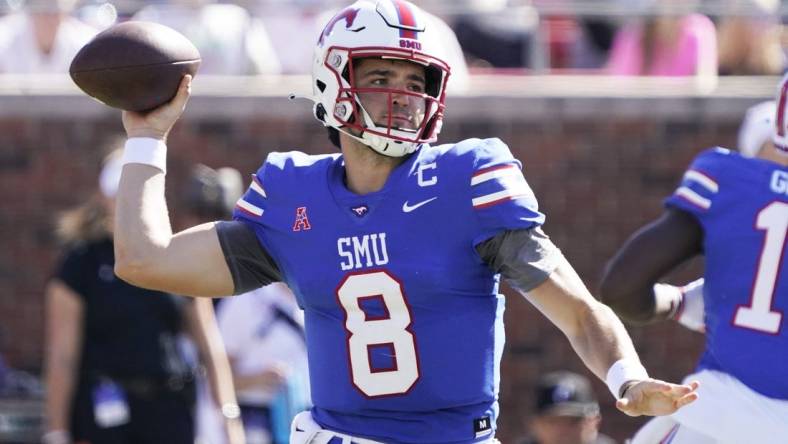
[
  {"x": 601, "y": 341},
  {"x": 628, "y": 285},
  {"x": 530, "y": 263}
]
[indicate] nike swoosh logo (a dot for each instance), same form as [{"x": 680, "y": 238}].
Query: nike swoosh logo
[{"x": 408, "y": 208}]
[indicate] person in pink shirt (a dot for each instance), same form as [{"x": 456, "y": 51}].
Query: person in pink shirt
[{"x": 665, "y": 45}]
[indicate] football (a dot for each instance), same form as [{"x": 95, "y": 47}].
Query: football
[{"x": 135, "y": 66}]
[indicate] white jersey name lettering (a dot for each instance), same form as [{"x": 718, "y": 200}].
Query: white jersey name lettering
[
  {"x": 779, "y": 183},
  {"x": 362, "y": 251}
]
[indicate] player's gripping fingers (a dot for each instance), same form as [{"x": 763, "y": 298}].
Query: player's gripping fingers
[
  {"x": 158, "y": 122},
  {"x": 182, "y": 96}
]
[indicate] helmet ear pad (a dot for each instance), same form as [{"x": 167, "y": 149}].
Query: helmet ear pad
[{"x": 320, "y": 110}]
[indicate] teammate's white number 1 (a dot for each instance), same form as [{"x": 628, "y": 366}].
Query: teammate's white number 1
[
  {"x": 384, "y": 331},
  {"x": 759, "y": 315}
]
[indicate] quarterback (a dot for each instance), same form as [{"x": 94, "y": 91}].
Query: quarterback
[{"x": 394, "y": 247}]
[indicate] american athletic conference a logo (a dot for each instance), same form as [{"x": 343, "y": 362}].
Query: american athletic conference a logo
[{"x": 301, "y": 220}]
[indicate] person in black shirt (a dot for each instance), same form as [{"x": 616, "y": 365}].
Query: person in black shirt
[{"x": 114, "y": 369}]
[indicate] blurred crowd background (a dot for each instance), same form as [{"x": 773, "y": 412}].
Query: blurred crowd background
[
  {"x": 619, "y": 37},
  {"x": 605, "y": 102}
]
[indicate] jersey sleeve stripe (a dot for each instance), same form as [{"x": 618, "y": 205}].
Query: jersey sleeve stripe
[
  {"x": 481, "y": 175},
  {"x": 257, "y": 186},
  {"x": 693, "y": 198},
  {"x": 702, "y": 179},
  {"x": 493, "y": 173},
  {"x": 248, "y": 208},
  {"x": 498, "y": 197}
]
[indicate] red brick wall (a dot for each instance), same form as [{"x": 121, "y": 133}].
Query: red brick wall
[{"x": 598, "y": 177}]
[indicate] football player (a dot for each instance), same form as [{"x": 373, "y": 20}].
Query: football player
[
  {"x": 755, "y": 138},
  {"x": 394, "y": 248},
  {"x": 732, "y": 208}
]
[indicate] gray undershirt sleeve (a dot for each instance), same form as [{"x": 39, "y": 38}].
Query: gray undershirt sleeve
[
  {"x": 525, "y": 258},
  {"x": 250, "y": 265}
]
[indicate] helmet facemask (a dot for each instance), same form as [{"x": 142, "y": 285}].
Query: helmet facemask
[{"x": 393, "y": 122}]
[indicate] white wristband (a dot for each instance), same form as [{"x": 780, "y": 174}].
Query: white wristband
[
  {"x": 668, "y": 295},
  {"x": 623, "y": 371},
  {"x": 692, "y": 313},
  {"x": 147, "y": 151}
]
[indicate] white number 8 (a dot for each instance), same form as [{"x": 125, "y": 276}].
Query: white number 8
[{"x": 389, "y": 330}]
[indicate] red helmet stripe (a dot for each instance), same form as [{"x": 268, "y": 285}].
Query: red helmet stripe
[
  {"x": 781, "y": 105},
  {"x": 406, "y": 18}
]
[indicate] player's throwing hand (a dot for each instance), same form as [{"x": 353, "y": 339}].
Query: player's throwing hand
[
  {"x": 655, "y": 398},
  {"x": 158, "y": 122}
]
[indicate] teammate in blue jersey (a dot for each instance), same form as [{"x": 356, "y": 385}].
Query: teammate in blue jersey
[
  {"x": 732, "y": 209},
  {"x": 394, "y": 248}
]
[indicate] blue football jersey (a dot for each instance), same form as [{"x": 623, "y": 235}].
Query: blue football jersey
[
  {"x": 404, "y": 323},
  {"x": 742, "y": 205}
]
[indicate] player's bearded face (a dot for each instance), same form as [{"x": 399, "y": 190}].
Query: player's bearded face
[{"x": 390, "y": 91}]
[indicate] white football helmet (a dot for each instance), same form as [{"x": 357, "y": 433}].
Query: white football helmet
[
  {"x": 388, "y": 29},
  {"x": 781, "y": 119},
  {"x": 757, "y": 128}
]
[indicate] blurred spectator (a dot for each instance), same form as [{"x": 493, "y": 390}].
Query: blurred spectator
[
  {"x": 592, "y": 47},
  {"x": 567, "y": 412},
  {"x": 43, "y": 38},
  {"x": 493, "y": 35},
  {"x": 211, "y": 194},
  {"x": 17, "y": 383},
  {"x": 262, "y": 330},
  {"x": 113, "y": 370},
  {"x": 749, "y": 38},
  {"x": 3, "y": 375},
  {"x": 280, "y": 17},
  {"x": 263, "y": 333},
  {"x": 21, "y": 400},
  {"x": 230, "y": 40},
  {"x": 207, "y": 196},
  {"x": 665, "y": 43}
]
